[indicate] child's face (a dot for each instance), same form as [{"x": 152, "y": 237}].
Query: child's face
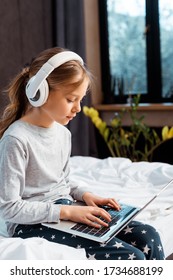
[{"x": 63, "y": 104}]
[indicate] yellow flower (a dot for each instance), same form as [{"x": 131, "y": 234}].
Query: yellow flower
[
  {"x": 106, "y": 134},
  {"x": 115, "y": 122},
  {"x": 93, "y": 113},
  {"x": 102, "y": 127},
  {"x": 123, "y": 142},
  {"x": 90, "y": 112},
  {"x": 170, "y": 133},
  {"x": 97, "y": 121},
  {"x": 86, "y": 110},
  {"x": 167, "y": 133}
]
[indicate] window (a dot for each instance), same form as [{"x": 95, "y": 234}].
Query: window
[
  {"x": 166, "y": 34},
  {"x": 136, "y": 49}
]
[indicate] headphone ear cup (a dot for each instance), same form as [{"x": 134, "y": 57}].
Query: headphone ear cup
[
  {"x": 44, "y": 93},
  {"x": 37, "y": 88},
  {"x": 41, "y": 95}
]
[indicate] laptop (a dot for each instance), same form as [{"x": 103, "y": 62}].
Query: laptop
[{"x": 120, "y": 219}]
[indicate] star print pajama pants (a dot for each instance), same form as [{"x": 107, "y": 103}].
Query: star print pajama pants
[{"x": 136, "y": 242}]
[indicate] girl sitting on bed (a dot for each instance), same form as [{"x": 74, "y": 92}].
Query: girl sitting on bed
[{"x": 35, "y": 148}]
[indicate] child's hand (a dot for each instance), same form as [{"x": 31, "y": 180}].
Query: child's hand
[
  {"x": 91, "y": 199},
  {"x": 89, "y": 215}
]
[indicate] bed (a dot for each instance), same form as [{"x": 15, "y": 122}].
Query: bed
[{"x": 129, "y": 182}]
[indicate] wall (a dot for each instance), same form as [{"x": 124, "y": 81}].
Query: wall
[
  {"x": 24, "y": 32},
  {"x": 93, "y": 46}
]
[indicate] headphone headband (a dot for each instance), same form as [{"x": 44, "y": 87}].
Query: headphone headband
[{"x": 35, "y": 83}]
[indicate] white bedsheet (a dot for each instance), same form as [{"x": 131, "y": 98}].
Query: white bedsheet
[
  {"x": 133, "y": 183},
  {"x": 37, "y": 249}
]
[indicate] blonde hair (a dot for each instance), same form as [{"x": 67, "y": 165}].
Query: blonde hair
[{"x": 62, "y": 76}]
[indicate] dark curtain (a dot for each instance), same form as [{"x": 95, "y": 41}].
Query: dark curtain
[
  {"x": 25, "y": 30},
  {"x": 69, "y": 32}
]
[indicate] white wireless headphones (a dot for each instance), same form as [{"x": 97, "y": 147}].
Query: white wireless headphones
[{"x": 37, "y": 88}]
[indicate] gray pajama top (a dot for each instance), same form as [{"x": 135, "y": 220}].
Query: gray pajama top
[{"x": 34, "y": 172}]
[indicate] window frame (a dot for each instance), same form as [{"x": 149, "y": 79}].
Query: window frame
[{"x": 153, "y": 56}]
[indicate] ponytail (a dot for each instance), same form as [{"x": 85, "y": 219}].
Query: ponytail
[{"x": 18, "y": 100}]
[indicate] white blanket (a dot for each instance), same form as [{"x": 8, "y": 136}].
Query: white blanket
[
  {"x": 133, "y": 183},
  {"x": 37, "y": 249}
]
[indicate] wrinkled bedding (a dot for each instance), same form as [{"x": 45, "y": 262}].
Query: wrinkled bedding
[
  {"x": 128, "y": 182},
  {"x": 132, "y": 183}
]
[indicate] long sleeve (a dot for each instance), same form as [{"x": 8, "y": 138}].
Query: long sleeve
[
  {"x": 13, "y": 208},
  {"x": 34, "y": 172}
]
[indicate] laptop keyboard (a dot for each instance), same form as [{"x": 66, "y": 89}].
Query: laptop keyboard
[{"x": 116, "y": 216}]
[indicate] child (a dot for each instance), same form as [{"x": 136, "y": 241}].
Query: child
[{"x": 34, "y": 162}]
